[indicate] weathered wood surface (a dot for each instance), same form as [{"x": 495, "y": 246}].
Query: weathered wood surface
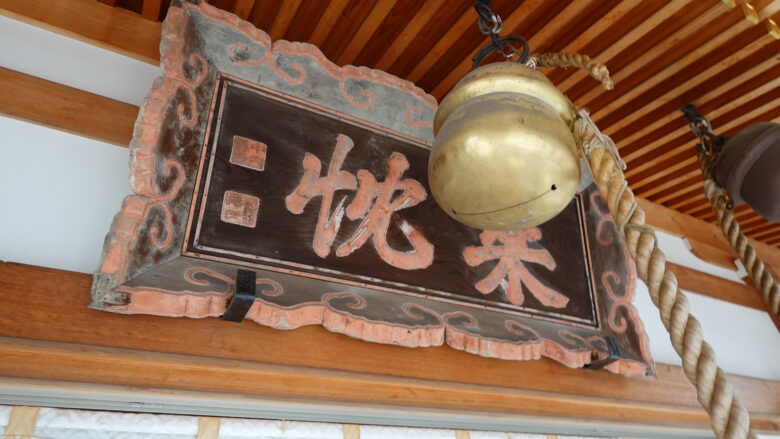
[
  {"x": 287, "y": 232},
  {"x": 67, "y": 341}
]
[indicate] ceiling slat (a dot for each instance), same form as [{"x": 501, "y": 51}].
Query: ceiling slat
[
  {"x": 642, "y": 17},
  {"x": 242, "y": 8},
  {"x": 750, "y": 85},
  {"x": 284, "y": 18},
  {"x": 519, "y": 19},
  {"x": 408, "y": 34},
  {"x": 366, "y": 30},
  {"x": 662, "y": 54},
  {"x": 326, "y": 22},
  {"x": 622, "y": 115}
]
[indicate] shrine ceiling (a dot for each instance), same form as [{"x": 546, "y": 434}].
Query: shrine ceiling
[{"x": 662, "y": 54}]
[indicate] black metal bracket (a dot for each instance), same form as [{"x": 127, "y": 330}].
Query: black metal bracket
[
  {"x": 614, "y": 355},
  {"x": 243, "y": 298}
]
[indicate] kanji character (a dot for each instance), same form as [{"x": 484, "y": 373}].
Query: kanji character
[
  {"x": 312, "y": 185},
  {"x": 374, "y": 203},
  {"x": 512, "y": 252}
]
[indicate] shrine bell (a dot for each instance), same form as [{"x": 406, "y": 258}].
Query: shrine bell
[
  {"x": 747, "y": 167},
  {"x": 504, "y": 156}
]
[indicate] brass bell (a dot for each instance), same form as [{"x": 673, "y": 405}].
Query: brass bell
[
  {"x": 747, "y": 167},
  {"x": 504, "y": 156}
]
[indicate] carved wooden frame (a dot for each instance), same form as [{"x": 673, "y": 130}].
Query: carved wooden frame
[{"x": 147, "y": 240}]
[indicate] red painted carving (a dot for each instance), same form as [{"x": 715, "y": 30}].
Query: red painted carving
[
  {"x": 510, "y": 272},
  {"x": 374, "y": 203},
  {"x": 312, "y": 185},
  {"x": 240, "y": 209},
  {"x": 412, "y": 123},
  {"x": 248, "y": 153}
]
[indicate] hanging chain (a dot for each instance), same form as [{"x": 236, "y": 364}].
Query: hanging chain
[
  {"x": 709, "y": 147},
  {"x": 709, "y": 143},
  {"x": 490, "y": 25}
]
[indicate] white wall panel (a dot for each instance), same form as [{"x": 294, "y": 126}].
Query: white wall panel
[
  {"x": 745, "y": 340},
  {"x": 58, "y": 195},
  {"x": 5, "y": 413},
  {"x": 83, "y": 424}
]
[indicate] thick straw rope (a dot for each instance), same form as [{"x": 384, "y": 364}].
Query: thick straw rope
[
  {"x": 728, "y": 416},
  {"x": 762, "y": 278},
  {"x": 562, "y": 59}
]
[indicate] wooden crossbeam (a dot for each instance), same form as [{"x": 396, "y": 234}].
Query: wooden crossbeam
[
  {"x": 47, "y": 103},
  {"x": 706, "y": 240},
  {"x": 66, "y": 341},
  {"x": 111, "y": 28}
]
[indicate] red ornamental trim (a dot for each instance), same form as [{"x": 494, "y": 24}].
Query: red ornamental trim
[
  {"x": 342, "y": 74},
  {"x": 450, "y": 328},
  {"x": 146, "y": 137},
  {"x": 626, "y": 299}
]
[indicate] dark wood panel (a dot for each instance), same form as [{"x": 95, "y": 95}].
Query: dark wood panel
[{"x": 282, "y": 238}]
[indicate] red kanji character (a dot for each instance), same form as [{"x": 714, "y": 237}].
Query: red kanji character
[
  {"x": 375, "y": 204},
  {"x": 312, "y": 185},
  {"x": 510, "y": 272}
]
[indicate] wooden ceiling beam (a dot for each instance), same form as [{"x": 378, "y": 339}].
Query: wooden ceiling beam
[
  {"x": 283, "y": 19},
  {"x": 366, "y": 30},
  {"x": 668, "y": 97},
  {"x": 726, "y": 94},
  {"x": 713, "y": 104},
  {"x": 327, "y": 21},
  {"x": 651, "y": 59},
  {"x": 115, "y": 29},
  {"x": 242, "y": 8},
  {"x": 517, "y": 19},
  {"x": 706, "y": 240},
  {"x": 150, "y": 9},
  {"x": 57, "y": 106},
  {"x": 441, "y": 47},
  {"x": 579, "y": 80},
  {"x": 616, "y": 35},
  {"x": 70, "y": 342},
  {"x": 684, "y": 160},
  {"x": 642, "y": 171},
  {"x": 716, "y": 287},
  {"x": 407, "y": 36},
  {"x": 674, "y": 80}
]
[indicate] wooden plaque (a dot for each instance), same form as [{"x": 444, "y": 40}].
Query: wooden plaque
[{"x": 267, "y": 157}]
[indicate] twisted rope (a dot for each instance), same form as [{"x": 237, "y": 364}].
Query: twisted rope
[
  {"x": 762, "y": 278},
  {"x": 562, "y": 59},
  {"x": 728, "y": 417}
]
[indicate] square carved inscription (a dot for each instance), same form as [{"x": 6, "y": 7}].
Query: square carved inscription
[
  {"x": 241, "y": 209},
  {"x": 248, "y": 153}
]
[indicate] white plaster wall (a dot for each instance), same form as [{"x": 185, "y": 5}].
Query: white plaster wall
[{"x": 58, "y": 195}]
